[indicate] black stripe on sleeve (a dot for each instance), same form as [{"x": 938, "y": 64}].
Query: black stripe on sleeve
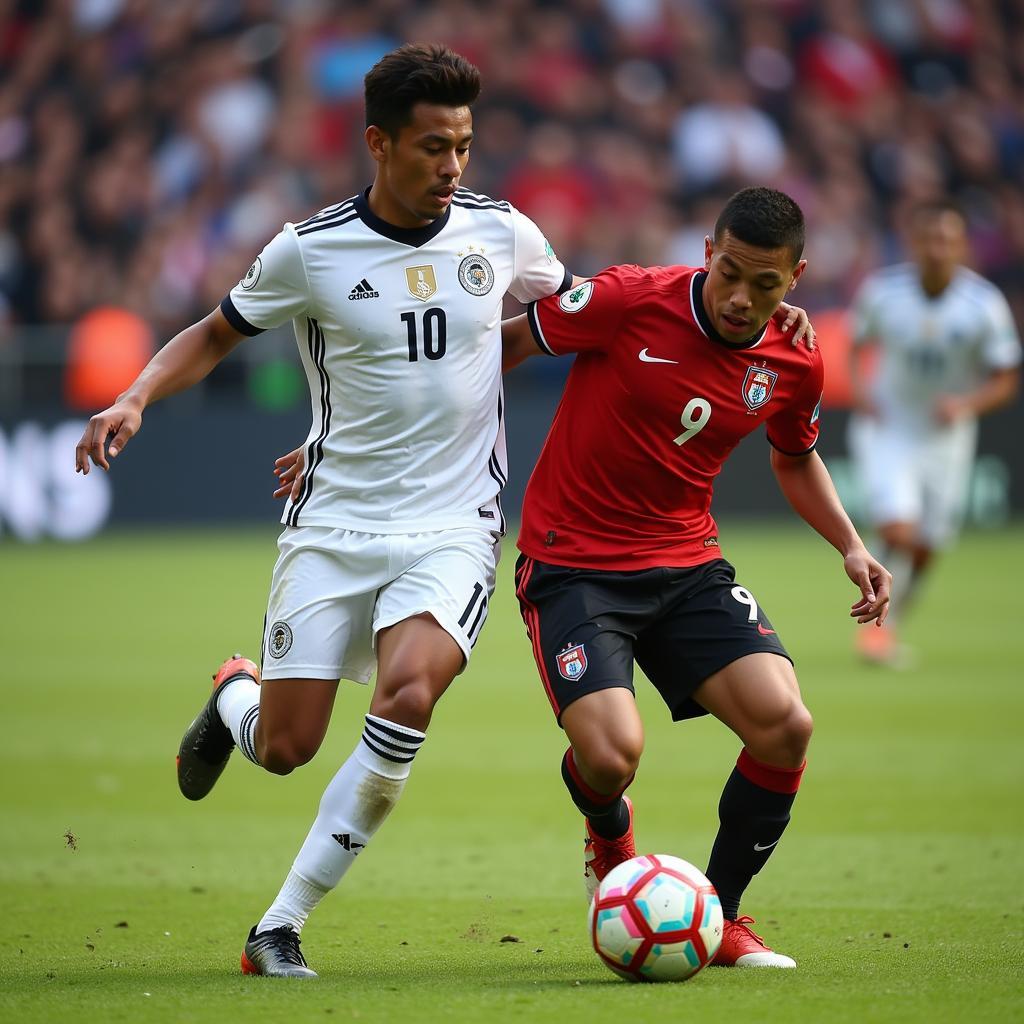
[
  {"x": 538, "y": 334},
  {"x": 328, "y": 224},
  {"x": 503, "y": 207},
  {"x": 566, "y": 282},
  {"x": 233, "y": 317},
  {"x": 793, "y": 455}
]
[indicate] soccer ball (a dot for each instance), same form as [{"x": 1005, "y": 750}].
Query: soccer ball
[{"x": 656, "y": 918}]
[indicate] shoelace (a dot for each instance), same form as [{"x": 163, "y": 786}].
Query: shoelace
[
  {"x": 745, "y": 923},
  {"x": 612, "y": 848},
  {"x": 286, "y": 943}
]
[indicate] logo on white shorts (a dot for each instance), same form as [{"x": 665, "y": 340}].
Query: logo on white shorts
[
  {"x": 279, "y": 642},
  {"x": 572, "y": 662}
]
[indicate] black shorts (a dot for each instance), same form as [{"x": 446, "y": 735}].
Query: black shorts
[{"x": 681, "y": 626}]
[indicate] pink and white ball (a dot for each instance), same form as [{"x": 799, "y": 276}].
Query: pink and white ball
[{"x": 656, "y": 918}]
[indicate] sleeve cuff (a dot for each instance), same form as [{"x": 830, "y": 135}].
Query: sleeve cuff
[
  {"x": 233, "y": 317},
  {"x": 536, "y": 330},
  {"x": 566, "y": 282},
  {"x": 793, "y": 455}
]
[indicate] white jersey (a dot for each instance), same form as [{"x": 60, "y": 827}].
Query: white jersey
[
  {"x": 946, "y": 344},
  {"x": 399, "y": 331}
]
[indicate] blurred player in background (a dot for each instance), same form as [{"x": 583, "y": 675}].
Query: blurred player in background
[
  {"x": 947, "y": 352},
  {"x": 620, "y": 555},
  {"x": 390, "y": 544}
]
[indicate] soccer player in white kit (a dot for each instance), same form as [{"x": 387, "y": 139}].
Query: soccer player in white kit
[
  {"x": 390, "y": 544},
  {"x": 947, "y": 353}
]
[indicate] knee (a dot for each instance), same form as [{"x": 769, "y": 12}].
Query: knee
[
  {"x": 610, "y": 765},
  {"x": 282, "y": 754},
  {"x": 411, "y": 703},
  {"x": 793, "y": 736}
]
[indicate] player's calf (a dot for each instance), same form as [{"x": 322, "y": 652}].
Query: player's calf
[{"x": 609, "y": 817}]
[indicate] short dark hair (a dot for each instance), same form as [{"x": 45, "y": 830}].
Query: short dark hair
[
  {"x": 764, "y": 217},
  {"x": 417, "y": 73}
]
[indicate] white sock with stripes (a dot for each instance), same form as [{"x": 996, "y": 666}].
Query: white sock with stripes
[
  {"x": 239, "y": 708},
  {"x": 353, "y": 807}
]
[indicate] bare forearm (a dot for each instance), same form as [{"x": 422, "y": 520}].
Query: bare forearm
[
  {"x": 185, "y": 360},
  {"x": 998, "y": 390},
  {"x": 517, "y": 342},
  {"x": 809, "y": 489}
]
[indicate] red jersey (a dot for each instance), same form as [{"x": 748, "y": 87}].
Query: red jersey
[{"x": 653, "y": 405}]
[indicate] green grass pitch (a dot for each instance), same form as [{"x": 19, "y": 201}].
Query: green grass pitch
[{"x": 897, "y": 888}]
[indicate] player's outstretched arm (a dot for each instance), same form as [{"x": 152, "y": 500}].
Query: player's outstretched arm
[
  {"x": 999, "y": 388},
  {"x": 185, "y": 360},
  {"x": 808, "y": 488},
  {"x": 517, "y": 342},
  {"x": 795, "y": 318}
]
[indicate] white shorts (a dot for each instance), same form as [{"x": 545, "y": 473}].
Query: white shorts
[
  {"x": 334, "y": 590},
  {"x": 910, "y": 478}
]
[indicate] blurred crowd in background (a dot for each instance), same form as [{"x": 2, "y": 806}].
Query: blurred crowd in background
[{"x": 148, "y": 150}]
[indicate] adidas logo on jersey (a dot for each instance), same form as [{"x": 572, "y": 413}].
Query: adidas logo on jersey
[{"x": 363, "y": 290}]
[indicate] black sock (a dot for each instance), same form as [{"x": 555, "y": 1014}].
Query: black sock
[
  {"x": 608, "y": 815},
  {"x": 754, "y": 812}
]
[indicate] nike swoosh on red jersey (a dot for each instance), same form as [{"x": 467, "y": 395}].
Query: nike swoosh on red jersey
[
  {"x": 763, "y": 631},
  {"x": 645, "y": 358}
]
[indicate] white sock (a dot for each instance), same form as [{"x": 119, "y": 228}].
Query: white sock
[
  {"x": 353, "y": 807},
  {"x": 239, "y": 708}
]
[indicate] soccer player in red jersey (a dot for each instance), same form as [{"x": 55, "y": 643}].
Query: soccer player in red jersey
[{"x": 620, "y": 554}]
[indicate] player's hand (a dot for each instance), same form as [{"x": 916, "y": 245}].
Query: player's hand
[
  {"x": 875, "y": 583},
  {"x": 290, "y": 471},
  {"x": 795, "y": 317},
  {"x": 118, "y": 425},
  {"x": 949, "y": 409}
]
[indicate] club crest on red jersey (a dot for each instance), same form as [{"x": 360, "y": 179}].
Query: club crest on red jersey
[
  {"x": 758, "y": 385},
  {"x": 572, "y": 662}
]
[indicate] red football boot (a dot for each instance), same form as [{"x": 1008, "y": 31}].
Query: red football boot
[
  {"x": 742, "y": 947},
  {"x": 601, "y": 855}
]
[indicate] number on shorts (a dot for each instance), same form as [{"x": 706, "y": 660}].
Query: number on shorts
[
  {"x": 744, "y": 596},
  {"x": 696, "y": 414}
]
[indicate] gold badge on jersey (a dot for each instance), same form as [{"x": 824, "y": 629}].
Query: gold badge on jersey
[{"x": 421, "y": 281}]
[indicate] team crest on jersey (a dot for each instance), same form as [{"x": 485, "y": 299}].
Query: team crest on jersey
[
  {"x": 758, "y": 386},
  {"x": 476, "y": 275},
  {"x": 572, "y": 662},
  {"x": 252, "y": 275},
  {"x": 421, "y": 281},
  {"x": 279, "y": 639},
  {"x": 576, "y": 298}
]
